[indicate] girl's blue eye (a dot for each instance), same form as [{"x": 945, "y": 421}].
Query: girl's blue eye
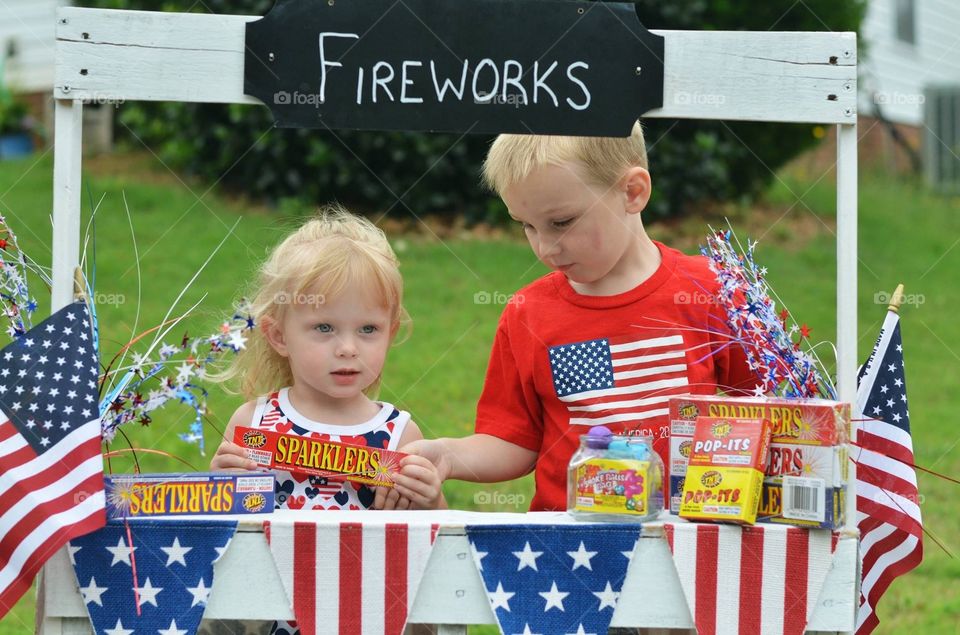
[
  {"x": 368, "y": 329},
  {"x": 324, "y": 328},
  {"x": 562, "y": 223}
]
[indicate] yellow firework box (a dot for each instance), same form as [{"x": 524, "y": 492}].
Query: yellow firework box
[
  {"x": 725, "y": 475},
  {"x": 805, "y": 481}
]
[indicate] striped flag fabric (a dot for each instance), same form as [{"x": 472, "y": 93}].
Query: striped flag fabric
[
  {"x": 746, "y": 580},
  {"x": 51, "y": 470},
  {"x": 617, "y": 379},
  {"x": 368, "y": 580},
  {"x": 888, "y": 511}
]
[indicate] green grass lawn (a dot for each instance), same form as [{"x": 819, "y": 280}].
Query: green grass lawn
[{"x": 906, "y": 235}]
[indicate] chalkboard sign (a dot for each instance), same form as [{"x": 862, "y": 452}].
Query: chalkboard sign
[{"x": 470, "y": 66}]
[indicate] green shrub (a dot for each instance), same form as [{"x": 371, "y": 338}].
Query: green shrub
[{"x": 413, "y": 173}]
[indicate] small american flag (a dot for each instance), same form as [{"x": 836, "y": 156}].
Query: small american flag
[
  {"x": 888, "y": 511},
  {"x": 51, "y": 470},
  {"x": 350, "y": 578},
  {"x": 612, "y": 380},
  {"x": 750, "y": 580}
]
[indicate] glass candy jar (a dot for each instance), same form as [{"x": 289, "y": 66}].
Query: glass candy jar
[{"x": 614, "y": 478}]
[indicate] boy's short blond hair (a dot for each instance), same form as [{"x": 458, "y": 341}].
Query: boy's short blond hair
[{"x": 512, "y": 158}]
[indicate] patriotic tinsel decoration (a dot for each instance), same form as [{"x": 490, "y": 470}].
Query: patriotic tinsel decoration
[
  {"x": 15, "y": 300},
  {"x": 777, "y": 349},
  {"x": 132, "y": 398}
]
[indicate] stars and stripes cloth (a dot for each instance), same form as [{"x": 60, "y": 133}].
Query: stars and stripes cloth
[
  {"x": 173, "y": 561},
  {"x": 619, "y": 379},
  {"x": 553, "y": 580},
  {"x": 350, "y": 578},
  {"x": 750, "y": 580},
  {"x": 888, "y": 511},
  {"x": 51, "y": 470}
]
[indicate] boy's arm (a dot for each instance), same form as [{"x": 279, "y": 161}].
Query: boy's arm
[
  {"x": 481, "y": 458},
  {"x": 229, "y": 455}
]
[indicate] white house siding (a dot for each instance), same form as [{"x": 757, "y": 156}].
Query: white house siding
[
  {"x": 895, "y": 73},
  {"x": 30, "y": 25}
]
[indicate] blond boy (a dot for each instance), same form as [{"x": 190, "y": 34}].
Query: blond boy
[{"x": 620, "y": 324}]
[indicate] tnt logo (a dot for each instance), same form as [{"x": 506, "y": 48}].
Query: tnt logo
[
  {"x": 254, "y": 502},
  {"x": 720, "y": 429},
  {"x": 254, "y": 439},
  {"x": 685, "y": 449},
  {"x": 689, "y": 411},
  {"x": 711, "y": 478}
]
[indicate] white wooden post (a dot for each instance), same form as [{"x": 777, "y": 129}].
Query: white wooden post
[
  {"x": 847, "y": 291},
  {"x": 67, "y": 158}
]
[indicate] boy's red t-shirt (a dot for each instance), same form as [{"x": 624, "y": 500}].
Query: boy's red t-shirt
[{"x": 563, "y": 362}]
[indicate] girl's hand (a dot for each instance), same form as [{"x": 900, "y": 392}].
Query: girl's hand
[
  {"x": 419, "y": 482},
  {"x": 388, "y": 498},
  {"x": 230, "y": 456},
  {"x": 415, "y": 486}
]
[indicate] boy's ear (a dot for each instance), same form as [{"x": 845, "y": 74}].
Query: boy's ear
[
  {"x": 637, "y": 187},
  {"x": 274, "y": 335}
]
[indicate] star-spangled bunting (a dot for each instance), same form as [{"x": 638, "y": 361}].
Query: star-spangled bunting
[
  {"x": 553, "y": 580},
  {"x": 174, "y": 574},
  {"x": 51, "y": 470},
  {"x": 888, "y": 510}
]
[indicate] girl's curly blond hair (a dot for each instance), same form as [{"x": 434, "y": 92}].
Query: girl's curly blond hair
[{"x": 333, "y": 253}]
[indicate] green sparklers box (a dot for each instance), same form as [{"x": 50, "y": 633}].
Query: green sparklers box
[
  {"x": 192, "y": 493},
  {"x": 806, "y": 476}
]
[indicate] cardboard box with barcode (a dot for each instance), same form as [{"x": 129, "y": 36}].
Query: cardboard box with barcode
[
  {"x": 724, "y": 478},
  {"x": 805, "y": 483}
]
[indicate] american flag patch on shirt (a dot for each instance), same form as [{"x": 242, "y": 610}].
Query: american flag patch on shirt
[{"x": 611, "y": 380}]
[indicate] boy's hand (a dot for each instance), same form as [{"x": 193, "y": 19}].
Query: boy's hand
[
  {"x": 415, "y": 486},
  {"x": 230, "y": 456},
  {"x": 434, "y": 451}
]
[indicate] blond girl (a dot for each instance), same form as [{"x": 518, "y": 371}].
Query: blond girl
[{"x": 328, "y": 306}]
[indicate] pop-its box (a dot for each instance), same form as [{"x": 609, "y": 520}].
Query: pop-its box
[
  {"x": 725, "y": 474},
  {"x": 806, "y": 475},
  {"x": 193, "y": 493}
]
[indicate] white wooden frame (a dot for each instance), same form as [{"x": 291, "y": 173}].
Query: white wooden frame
[
  {"x": 756, "y": 76},
  {"x": 451, "y": 594}
]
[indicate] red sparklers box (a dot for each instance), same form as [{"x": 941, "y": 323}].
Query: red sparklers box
[
  {"x": 337, "y": 461},
  {"x": 805, "y": 482},
  {"x": 725, "y": 474},
  {"x": 193, "y": 493}
]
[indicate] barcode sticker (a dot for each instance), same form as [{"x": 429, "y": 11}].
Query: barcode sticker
[{"x": 803, "y": 498}]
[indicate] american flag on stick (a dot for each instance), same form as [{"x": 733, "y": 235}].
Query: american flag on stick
[
  {"x": 888, "y": 511},
  {"x": 51, "y": 469}
]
